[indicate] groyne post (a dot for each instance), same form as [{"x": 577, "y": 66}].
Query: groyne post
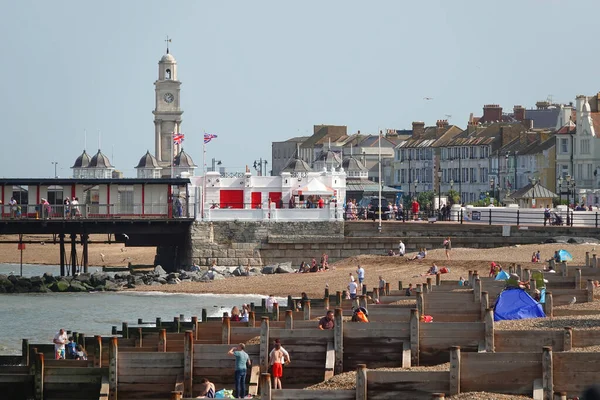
[
  {"x": 306, "y": 309},
  {"x": 429, "y": 285},
  {"x": 326, "y": 303},
  {"x": 587, "y": 259},
  {"x": 162, "y": 340},
  {"x": 477, "y": 291},
  {"x": 289, "y": 319},
  {"x": 251, "y": 319},
  {"x": 578, "y": 278},
  {"x": 362, "y": 301},
  {"x": 547, "y": 373},
  {"x": 438, "y": 279},
  {"x": 177, "y": 324},
  {"x": 125, "y": 330},
  {"x": 326, "y": 295},
  {"x": 338, "y": 340},
  {"x": 276, "y": 311},
  {"x": 265, "y": 386},
  {"x": 594, "y": 261},
  {"x": 420, "y": 303},
  {"x": 387, "y": 289},
  {"x": 532, "y": 287},
  {"x": 226, "y": 331},
  {"x": 39, "y": 376},
  {"x": 195, "y": 326},
  {"x": 549, "y": 305},
  {"x": 291, "y": 304},
  {"x": 361, "y": 382},
  {"x": 376, "y": 294},
  {"x": 470, "y": 278},
  {"x": 338, "y": 298},
  {"x": 400, "y": 285},
  {"x": 204, "y": 315},
  {"x": 564, "y": 268},
  {"x": 158, "y": 322},
  {"x": 520, "y": 271},
  {"x": 264, "y": 345},
  {"x": 188, "y": 360},
  {"x": 485, "y": 304},
  {"x": 568, "y": 338},
  {"x": 113, "y": 358},
  {"x": 97, "y": 351},
  {"x": 489, "y": 330},
  {"x": 590, "y": 291},
  {"x": 25, "y": 351},
  {"x": 414, "y": 337},
  {"x": 454, "y": 370}
]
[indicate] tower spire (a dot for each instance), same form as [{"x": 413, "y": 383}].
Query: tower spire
[{"x": 167, "y": 40}]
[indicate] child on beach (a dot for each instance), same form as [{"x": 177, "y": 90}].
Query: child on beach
[{"x": 277, "y": 358}]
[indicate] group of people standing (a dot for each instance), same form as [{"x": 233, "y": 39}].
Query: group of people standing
[{"x": 65, "y": 347}]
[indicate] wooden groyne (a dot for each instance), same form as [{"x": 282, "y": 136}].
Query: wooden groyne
[{"x": 169, "y": 358}]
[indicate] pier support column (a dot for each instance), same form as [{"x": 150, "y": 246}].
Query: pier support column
[
  {"x": 63, "y": 255},
  {"x": 73, "y": 254},
  {"x": 84, "y": 242}
]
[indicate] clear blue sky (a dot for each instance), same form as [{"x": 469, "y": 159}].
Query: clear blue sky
[{"x": 263, "y": 71}]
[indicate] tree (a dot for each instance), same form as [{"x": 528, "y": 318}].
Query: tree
[
  {"x": 425, "y": 199},
  {"x": 453, "y": 197}
]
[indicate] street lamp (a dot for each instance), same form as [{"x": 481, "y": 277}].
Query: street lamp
[
  {"x": 439, "y": 175},
  {"x": 416, "y": 183},
  {"x": 493, "y": 185},
  {"x": 55, "y": 163},
  {"x": 451, "y": 186}
]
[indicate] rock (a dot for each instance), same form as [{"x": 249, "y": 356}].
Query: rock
[
  {"x": 219, "y": 269},
  {"x": 48, "y": 278},
  {"x": 184, "y": 275},
  {"x": 61, "y": 285},
  {"x": 172, "y": 275},
  {"x": 239, "y": 271},
  {"x": 130, "y": 286},
  {"x": 174, "y": 281},
  {"x": 159, "y": 271},
  {"x": 161, "y": 280},
  {"x": 154, "y": 283},
  {"x": 77, "y": 286},
  {"x": 216, "y": 276},
  {"x": 99, "y": 288},
  {"x": 36, "y": 281},
  {"x": 98, "y": 279},
  {"x": 111, "y": 286},
  {"x": 269, "y": 269},
  {"x": 86, "y": 277},
  {"x": 285, "y": 268}
]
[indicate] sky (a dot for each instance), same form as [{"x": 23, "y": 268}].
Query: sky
[{"x": 263, "y": 71}]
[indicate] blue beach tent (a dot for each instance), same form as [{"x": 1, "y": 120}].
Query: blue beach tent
[
  {"x": 516, "y": 303},
  {"x": 502, "y": 276}
]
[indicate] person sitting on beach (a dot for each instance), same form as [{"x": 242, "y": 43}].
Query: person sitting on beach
[
  {"x": 409, "y": 290},
  {"x": 245, "y": 314},
  {"x": 494, "y": 269},
  {"x": 419, "y": 256},
  {"x": 81, "y": 354},
  {"x": 461, "y": 281},
  {"x": 313, "y": 266},
  {"x": 433, "y": 270},
  {"x": 206, "y": 389},
  {"x": 538, "y": 256},
  {"x": 304, "y": 267},
  {"x": 324, "y": 261},
  {"x": 596, "y": 284},
  {"x": 71, "y": 349},
  {"x": 534, "y": 258},
  {"x": 327, "y": 321},
  {"x": 391, "y": 253},
  {"x": 235, "y": 314}
]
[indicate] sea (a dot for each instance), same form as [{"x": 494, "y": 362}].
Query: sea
[{"x": 38, "y": 317}]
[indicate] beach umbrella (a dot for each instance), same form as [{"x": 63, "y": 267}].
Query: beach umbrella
[{"x": 565, "y": 255}]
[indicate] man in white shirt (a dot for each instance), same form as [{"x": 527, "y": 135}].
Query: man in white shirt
[
  {"x": 270, "y": 301},
  {"x": 60, "y": 339},
  {"x": 352, "y": 287},
  {"x": 401, "y": 249}
]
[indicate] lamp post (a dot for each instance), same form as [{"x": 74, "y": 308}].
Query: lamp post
[
  {"x": 493, "y": 186},
  {"x": 55, "y": 163},
  {"x": 416, "y": 183},
  {"x": 216, "y": 162},
  {"x": 409, "y": 174},
  {"x": 451, "y": 186},
  {"x": 439, "y": 175}
]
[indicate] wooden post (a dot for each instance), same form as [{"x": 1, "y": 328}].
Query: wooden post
[
  {"x": 547, "y": 373},
  {"x": 587, "y": 259},
  {"x": 549, "y": 305},
  {"x": 489, "y": 330},
  {"x": 338, "y": 341},
  {"x": 158, "y": 322},
  {"x": 568, "y": 338},
  {"x": 362, "y": 301},
  {"x": 326, "y": 295},
  {"x": 429, "y": 284},
  {"x": 387, "y": 289},
  {"x": 519, "y": 271},
  {"x": 511, "y": 269},
  {"x": 195, "y": 327},
  {"x": 361, "y": 382},
  {"x": 125, "y": 330},
  {"x": 177, "y": 323},
  {"x": 289, "y": 319},
  {"x": 113, "y": 361},
  {"x": 590, "y": 291},
  {"x": 251, "y": 319},
  {"x": 425, "y": 288},
  {"x": 564, "y": 269},
  {"x": 338, "y": 298},
  {"x": 454, "y": 370},
  {"x": 414, "y": 337},
  {"x": 306, "y": 310},
  {"x": 438, "y": 279},
  {"x": 552, "y": 264},
  {"x": 471, "y": 278},
  {"x": 162, "y": 340},
  {"x": 97, "y": 351},
  {"x": 344, "y": 294},
  {"x": 364, "y": 289},
  {"x": 477, "y": 291},
  {"x": 25, "y": 351},
  {"x": 419, "y": 288},
  {"x": 594, "y": 261},
  {"x": 175, "y": 395},
  {"x": 376, "y": 294},
  {"x": 532, "y": 287},
  {"x": 188, "y": 363},
  {"x": 291, "y": 304},
  {"x": 204, "y": 315},
  {"x": 438, "y": 396},
  {"x": 264, "y": 345},
  {"x": 526, "y": 275},
  {"x": 265, "y": 386},
  {"x": 560, "y": 395},
  {"x": 39, "y": 376},
  {"x": 326, "y": 303},
  {"x": 276, "y": 311},
  {"x": 420, "y": 303},
  {"x": 400, "y": 285},
  {"x": 226, "y": 331},
  {"x": 485, "y": 304},
  {"x": 140, "y": 321},
  {"x": 140, "y": 337},
  {"x": 475, "y": 277}
]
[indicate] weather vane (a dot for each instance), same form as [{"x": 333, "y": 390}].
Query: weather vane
[{"x": 168, "y": 40}]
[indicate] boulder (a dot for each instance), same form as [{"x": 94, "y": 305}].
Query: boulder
[
  {"x": 61, "y": 285},
  {"x": 174, "y": 281},
  {"x": 86, "y": 277},
  {"x": 77, "y": 286},
  {"x": 130, "y": 286},
  {"x": 36, "y": 281},
  {"x": 269, "y": 269},
  {"x": 111, "y": 286},
  {"x": 159, "y": 271},
  {"x": 161, "y": 280},
  {"x": 219, "y": 269},
  {"x": 216, "y": 276},
  {"x": 239, "y": 271},
  {"x": 48, "y": 278},
  {"x": 98, "y": 278},
  {"x": 172, "y": 275},
  {"x": 285, "y": 268}
]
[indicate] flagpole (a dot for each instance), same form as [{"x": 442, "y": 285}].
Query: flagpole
[
  {"x": 172, "y": 151},
  {"x": 380, "y": 181},
  {"x": 203, "y": 198}
]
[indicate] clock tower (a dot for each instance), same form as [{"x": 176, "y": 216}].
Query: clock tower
[{"x": 167, "y": 110}]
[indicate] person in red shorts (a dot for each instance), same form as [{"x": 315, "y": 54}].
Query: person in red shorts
[{"x": 277, "y": 356}]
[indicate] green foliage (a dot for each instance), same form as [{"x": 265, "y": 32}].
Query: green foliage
[
  {"x": 426, "y": 199},
  {"x": 453, "y": 197}
]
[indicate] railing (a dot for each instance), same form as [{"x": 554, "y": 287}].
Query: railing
[
  {"x": 329, "y": 212},
  {"x": 95, "y": 211}
]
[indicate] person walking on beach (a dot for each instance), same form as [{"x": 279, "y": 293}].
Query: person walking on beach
[
  {"x": 360, "y": 274},
  {"x": 448, "y": 247},
  {"x": 242, "y": 362},
  {"x": 327, "y": 321},
  {"x": 381, "y": 285},
  {"x": 401, "y": 249},
  {"x": 276, "y": 359},
  {"x": 352, "y": 289},
  {"x": 60, "y": 340}
]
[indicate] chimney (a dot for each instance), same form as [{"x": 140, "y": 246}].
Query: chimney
[
  {"x": 492, "y": 113},
  {"x": 441, "y": 127},
  {"x": 418, "y": 129},
  {"x": 519, "y": 112},
  {"x": 542, "y": 105}
]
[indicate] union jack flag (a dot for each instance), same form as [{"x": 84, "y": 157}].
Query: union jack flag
[
  {"x": 178, "y": 138},
  {"x": 208, "y": 137}
]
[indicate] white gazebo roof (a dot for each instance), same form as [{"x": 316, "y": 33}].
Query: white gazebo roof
[{"x": 314, "y": 188}]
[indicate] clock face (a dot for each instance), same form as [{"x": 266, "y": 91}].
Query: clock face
[{"x": 168, "y": 97}]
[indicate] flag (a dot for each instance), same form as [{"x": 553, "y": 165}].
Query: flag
[
  {"x": 208, "y": 137},
  {"x": 178, "y": 138}
]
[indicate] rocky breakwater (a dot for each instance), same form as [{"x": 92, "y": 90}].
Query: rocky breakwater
[{"x": 100, "y": 282}]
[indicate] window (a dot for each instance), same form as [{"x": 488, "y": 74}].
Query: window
[
  {"x": 590, "y": 173},
  {"x": 473, "y": 175},
  {"x": 403, "y": 176},
  {"x": 563, "y": 146},
  {"x": 579, "y": 171},
  {"x": 584, "y": 146},
  {"x": 168, "y": 74}
]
